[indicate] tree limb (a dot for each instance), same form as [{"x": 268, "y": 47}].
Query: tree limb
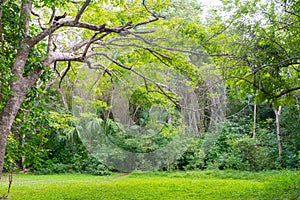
[
  {"x": 52, "y": 16},
  {"x": 284, "y": 92},
  {"x": 173, "y": 49},
  {"x": 39, "y": 19},
  {"x": 80, "y": 12},
  {"x": 261, "y": 89},
  {"x": 65, "y": 73}
]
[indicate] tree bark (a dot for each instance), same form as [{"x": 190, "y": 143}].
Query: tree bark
[
  {"x": 278, "y": 133},
  {"x": 7, "y": 117},
  {"x": 254, "y": 120},
  {"x": 18, "y": 88}
]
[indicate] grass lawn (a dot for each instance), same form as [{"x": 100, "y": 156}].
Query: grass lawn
[{"x": 158, "y": 185}]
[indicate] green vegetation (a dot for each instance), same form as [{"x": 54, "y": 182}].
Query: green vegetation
[
  {"x": 159, "y": 185},
  {"x": 97, "y": 87}
]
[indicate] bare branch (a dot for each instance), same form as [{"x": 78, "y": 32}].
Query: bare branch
[
  {"x": 284, "y": 92},
  {"x": 59, "y": 17},
  {"x": 65, "y": 73},
  {"x": 52, "y": 16},
  {"x": 92, "y": 40},
  {"x": 144, "y": 32},
  {"x": 143, "y": 23},
  {"x": 104, "y": 68},
  {"x": 141, "y": 47},
  {"x": 39, "y": 19},
  {"x": 173, "y": 49},
  {"x": 155, "y": 53},
  {"x": 110, "y": 59},
  {"x": 148, "y": 10},
  {"x": 55, "y": 69},
  {"x": 80, "y": 12},
  {"x": 79, "y": 45},
  {"x": 84, "y": 25},
  {"x": 55, "y": 56},
  {"x": 72, "y": 23},
  {"x": 104, "y": 43},
  {"x": 292, "y": 13}
]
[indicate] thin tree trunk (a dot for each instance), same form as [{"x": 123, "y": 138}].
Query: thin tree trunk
[
  {"x": 254, "y": 120},
  {"x": 64, "y": 101},
  {"x": 278, "y": 133},
  {"x": 23, "y": 156}
]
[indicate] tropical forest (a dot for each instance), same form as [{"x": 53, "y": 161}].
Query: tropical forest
[{"x": 149, "y": 99}]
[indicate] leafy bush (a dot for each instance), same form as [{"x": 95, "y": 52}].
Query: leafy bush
[
  {"x": 233, "y": 147},
  {"x": 193, "y": 158}
]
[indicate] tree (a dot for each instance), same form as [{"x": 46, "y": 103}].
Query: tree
[
  {"x": 29, "y": 45},
  {"x": 38, "y": 36},
  {"x": 263, "y": 42}
]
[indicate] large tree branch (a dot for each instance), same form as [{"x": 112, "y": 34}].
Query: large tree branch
[
  {"x": 56, "y": 56},
  {"x": 70, "y": 23},
  {"x": 26, "y": 8},
  {"x": 23, "y": 51},
  {"x": 76, "y": 24}
]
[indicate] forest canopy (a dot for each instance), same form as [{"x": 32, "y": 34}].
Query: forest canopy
[{"x": 93, "y": 86}]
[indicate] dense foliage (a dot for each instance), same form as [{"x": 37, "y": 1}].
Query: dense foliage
[{"x": 221, "y": 67}]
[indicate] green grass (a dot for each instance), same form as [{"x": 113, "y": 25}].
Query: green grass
[{"x": 158, "y": 185}]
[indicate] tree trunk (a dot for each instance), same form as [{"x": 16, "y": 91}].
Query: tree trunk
[
  {"x": 23, "y": 156},
  {"x": 277, "y": 114},
  {"x": 254, "y": 120},
  {"x": 6, "y": 120},
  {"x": 18, "y": 88}
]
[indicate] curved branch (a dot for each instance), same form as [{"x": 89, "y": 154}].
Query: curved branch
[
  {"x": 287, "y": 91},
  {"x": 65, "y": 73},
  {"x": 149, "y": 11},
  {"x": 39, "y": 19}
]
